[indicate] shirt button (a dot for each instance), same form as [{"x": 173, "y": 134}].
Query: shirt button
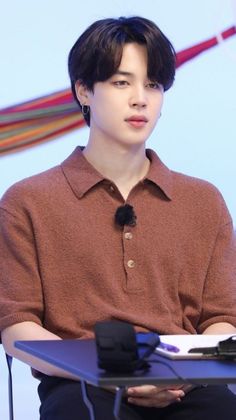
[
  {"x": 128, "y": 235},
  {"x": 131, "y": 263}
]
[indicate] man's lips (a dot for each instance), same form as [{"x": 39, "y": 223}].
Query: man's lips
[
  {"x": 137, "y": 118},
  {"x": 137, "y": 121}
]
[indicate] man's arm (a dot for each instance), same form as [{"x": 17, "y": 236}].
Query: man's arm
[
  {"x": 31, "y": 331},
  {"x": 220, "y": 328}
]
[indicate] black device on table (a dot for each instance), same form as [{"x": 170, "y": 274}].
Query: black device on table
[{"x": 121, "y": 349}]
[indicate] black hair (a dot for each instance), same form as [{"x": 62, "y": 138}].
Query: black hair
[{"x": 97, "y": 53}]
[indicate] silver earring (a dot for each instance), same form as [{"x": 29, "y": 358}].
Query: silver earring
[{"x": 85, "y": 109}]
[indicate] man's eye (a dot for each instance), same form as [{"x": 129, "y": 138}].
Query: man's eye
[
  {"x": 154, "y": 85},
  {"x": 120, "y": 83}
]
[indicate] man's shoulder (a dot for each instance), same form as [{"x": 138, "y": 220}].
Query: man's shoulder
[
  {"x": 201, "y": 198},
  {"x": 193, "y": 185},
  {"x": 198, "y": 195},
  {"x": 36, "y": 187}
]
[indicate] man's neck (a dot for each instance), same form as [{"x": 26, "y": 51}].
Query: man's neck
[{"x": 123, "y": 165}]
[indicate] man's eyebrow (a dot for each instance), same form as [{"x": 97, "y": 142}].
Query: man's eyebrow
[{"x": 124, "y": 73}]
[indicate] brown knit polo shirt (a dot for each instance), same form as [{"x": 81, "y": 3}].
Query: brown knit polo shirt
[{"x": 65, "y": 264}]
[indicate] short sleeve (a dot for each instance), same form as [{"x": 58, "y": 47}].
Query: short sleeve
[
  {"x": 219, "y": 294},
  {"x": 20, "y": 286}
]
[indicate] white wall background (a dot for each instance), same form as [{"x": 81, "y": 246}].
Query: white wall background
[{"x": 196, "y": 134}]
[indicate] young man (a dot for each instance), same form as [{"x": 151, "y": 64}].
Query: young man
[{"x": 112, "y": 233}]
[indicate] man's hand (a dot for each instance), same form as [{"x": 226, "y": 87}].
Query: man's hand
[{"x": 157, "y": 396}]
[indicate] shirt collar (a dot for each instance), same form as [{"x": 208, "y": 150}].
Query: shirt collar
[
  {"x": 82, "y": 176},
  {"x": 159, "y": 174}
]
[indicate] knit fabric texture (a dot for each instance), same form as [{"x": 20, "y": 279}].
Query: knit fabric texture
[{"x": 65, "y": 264}]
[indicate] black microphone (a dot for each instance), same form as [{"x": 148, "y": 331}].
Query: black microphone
[{"x": 125, "y": 215}]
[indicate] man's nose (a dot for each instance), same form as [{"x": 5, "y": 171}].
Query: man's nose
[{"x": 138, "y": 98}]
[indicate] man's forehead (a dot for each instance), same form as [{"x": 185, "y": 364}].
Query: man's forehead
[{"x": 133, "y": 56}]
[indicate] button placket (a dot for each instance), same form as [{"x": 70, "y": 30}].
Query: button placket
[
  {"x": 130, "y": 263},
  {"x": 128, "y": 235}
]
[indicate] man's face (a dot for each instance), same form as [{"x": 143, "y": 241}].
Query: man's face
[{"x": 125, "y": 108}]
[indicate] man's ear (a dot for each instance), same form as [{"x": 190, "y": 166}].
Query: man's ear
[{"x": 81, "y": 93}]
